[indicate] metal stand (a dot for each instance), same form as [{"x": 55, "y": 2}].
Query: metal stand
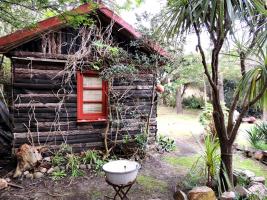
[{"x": 121, "y": 190}]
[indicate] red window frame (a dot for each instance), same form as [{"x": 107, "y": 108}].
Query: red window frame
[{"x": 91, "y": 117}]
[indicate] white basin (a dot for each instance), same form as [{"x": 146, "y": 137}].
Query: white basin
[{"x": 121, "y": 172}]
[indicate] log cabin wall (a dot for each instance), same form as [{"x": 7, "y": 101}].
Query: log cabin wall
[{"x": 41, "y": 117}]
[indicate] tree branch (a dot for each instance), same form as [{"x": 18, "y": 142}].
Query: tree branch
[{"x": 204, "y": 58}]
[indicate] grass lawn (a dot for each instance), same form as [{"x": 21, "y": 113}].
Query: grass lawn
[
  {"x": 151, "y": 184},
  {"x": 178, "y": 125},
  {"x": 182, "y": 161},
  {"x": 241, "y": 162}
]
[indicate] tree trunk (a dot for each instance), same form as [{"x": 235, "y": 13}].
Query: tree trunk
[
  {"x": 221, "y": 91},
  {"x": 264, "y": 116},
  {"x": 226, "y": 163},
  {"x": 179, "y": 107},
  {"x": 242, "y": 63}
]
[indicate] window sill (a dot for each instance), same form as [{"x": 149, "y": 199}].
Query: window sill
[{"x": 91, "y": 120}]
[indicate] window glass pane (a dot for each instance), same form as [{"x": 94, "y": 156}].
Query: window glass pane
[
  {"x": 92, "y": 95},
  {"x": 92, "y": 81},
  {"x": 92, "y": 108}
]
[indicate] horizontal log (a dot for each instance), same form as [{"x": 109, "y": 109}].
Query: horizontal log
[
  {"x": 38, "y": 81},
  {"x": 37, "y": 71},
  {"x": 38, "y": 74},
  {"x": 51, "y": 110},
  {"x": 80, "y": 146},
  {"x": 71, "y": 139},
  {"x": 19, "y": 91},
  {"x": 45, "y": 98},
  {"x": 58, "y": 133},
  {"x": 45, "y": 105},
  {"x": 60, "y": 139},
  {"x": 40, "y": 55},
  {"x": 133, "y": 87},
  {"x": 38, "y": 86},
  {"x": 55, "y": 126},
  {"x": 64, "y": 126},
  {"x": 26, "y": 64}
]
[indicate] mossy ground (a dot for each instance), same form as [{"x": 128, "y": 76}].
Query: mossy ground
[
  {"x": 186, "y": 162},
  {"x": 241, "y": 162},
  {"x": 151, "y": 184}
]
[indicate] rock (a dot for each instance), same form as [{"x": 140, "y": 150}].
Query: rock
[
  {"x": 250, "y": 154},
  {"x": 38, "y": 175},
  {"x": 8, "y": 180},
  {"x": 26, "y": 172},
  {"x": 49, "y": 171},
  {"x": 43, "y": 170},
  {"x": 56, "y": 168},
  {"x": 228, "y": 196},
  {"x": 258, "y": 179},
  {"x": 258, "y": 155},
  {"x": 259, "y": 189},
  {"x": 3, "y": 184},
  {"x": 29, "y": 176},
  {"x": 61, "y": 168},
  {"x": 201, "y": 193},
  {"x": 48, "y": 159},
  {"x": 82, "y": 166},
  {"x": 241, "y": 191},
  {"x": 27, "y": 157},
  {"x": 247, "y": 174},
  {"x": 180, "y": 195},
  {"x": 88, "y": 166}
]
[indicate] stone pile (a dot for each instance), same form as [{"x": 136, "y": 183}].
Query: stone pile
[{"x": 253, "y": 185}]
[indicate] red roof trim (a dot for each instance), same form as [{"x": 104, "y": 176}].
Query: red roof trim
[
  {"x": 9, "y": 41},
  {"x": 120, "y": 21}
]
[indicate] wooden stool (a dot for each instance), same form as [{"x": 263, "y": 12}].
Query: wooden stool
[{"x": 121, "y": 190}]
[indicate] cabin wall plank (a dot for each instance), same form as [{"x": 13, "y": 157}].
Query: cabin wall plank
[{"x": 45, "y": 116}]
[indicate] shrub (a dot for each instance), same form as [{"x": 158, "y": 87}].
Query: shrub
[
  {"x": 165, "y": 143},
  {"x": 169, "y": 95},
  {"x": 56, "y": 175},
  {"x": 210, "y": 159},
  {"x": 191, "y": 180},
  {"x": 258, "y": 136},
  {"x": 229, "y": 87},
  {"x": 141, "y": 140},
  {"x": 58, "y": 159},
  {"x": 193, "y": 102},
  {"x": 90, "y": 157},
  {"x": 93, "y": 158},
  {"x": 73, "y": 164},
  {"x": 206, "y": 118}
]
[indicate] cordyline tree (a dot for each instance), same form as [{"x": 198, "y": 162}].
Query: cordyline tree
[{"x": 217, "y": 18}]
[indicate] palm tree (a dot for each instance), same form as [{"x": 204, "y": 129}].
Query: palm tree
[{"x": 217, "y": 18}]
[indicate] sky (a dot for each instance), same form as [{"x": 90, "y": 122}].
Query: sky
[{"x": 153, "y": 7}]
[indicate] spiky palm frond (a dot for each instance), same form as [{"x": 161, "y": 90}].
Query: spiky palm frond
[
  {"x": 253, "y": 83},
  {"x": 180, "y": 16}
]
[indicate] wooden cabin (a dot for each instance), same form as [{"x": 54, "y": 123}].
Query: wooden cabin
[{"x": 43, "y": 114}]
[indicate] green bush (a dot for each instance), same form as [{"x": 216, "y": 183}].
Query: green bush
[
  {"x": 169, "y": 95},
  {"x": 229, "y": 87},
  {"x": 165, "y": 143},
  {"x": 73, "y": 164},
  {"x": 193, "y": 102},
  {"x": 258, "y": 136},
  {"x": 93, "y": 158},
  {"x": 206, "y": 118}
]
